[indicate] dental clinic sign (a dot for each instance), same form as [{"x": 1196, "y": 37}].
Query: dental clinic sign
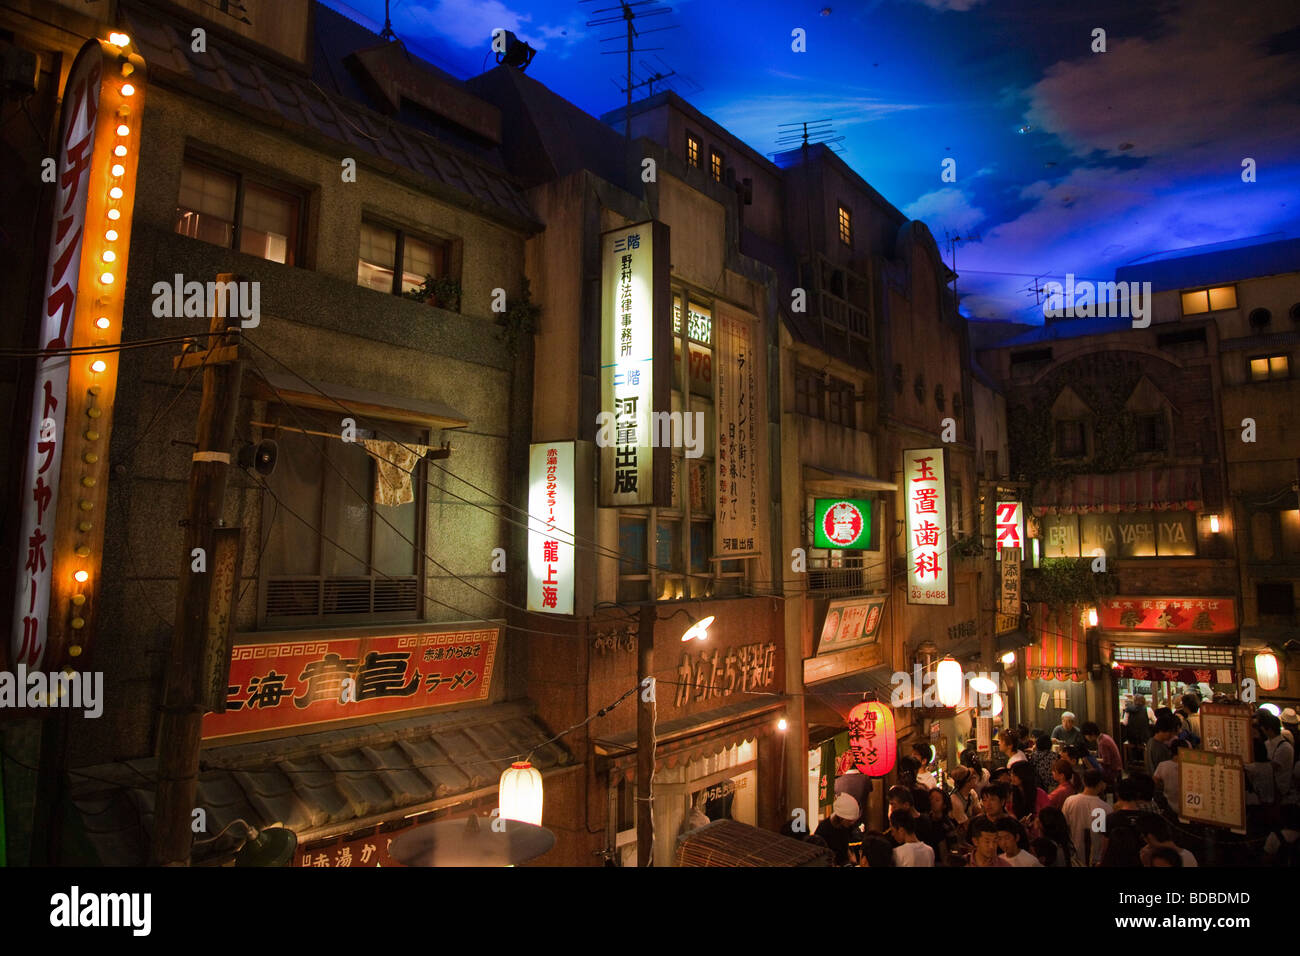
[
  {"x": 925, "y": 491},
  {"x": 636, "y": 344},
  {"x": 551, "y": 517}
]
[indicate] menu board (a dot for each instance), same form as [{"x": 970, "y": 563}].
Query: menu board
[
  {"x": 850, "y": 623},
  {"x": 983, "y": 734},
  {"x": 1212, "y": 789},
  {"x": 1225, "y": 728}
]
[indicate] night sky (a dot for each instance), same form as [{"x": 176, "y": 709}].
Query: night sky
[{"x": 1066, "y": 160}]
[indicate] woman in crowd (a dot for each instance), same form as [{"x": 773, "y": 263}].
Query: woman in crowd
[
  {"x": 943, "y": 828},
  {"x": 1055, "y": 830},
  {"x": 1027, "y": 797}
]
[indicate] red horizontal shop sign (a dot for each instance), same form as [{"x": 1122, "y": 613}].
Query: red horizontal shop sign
[
  {"x": 273, "y": 686},
  {"x": 1216, "y": 615}
]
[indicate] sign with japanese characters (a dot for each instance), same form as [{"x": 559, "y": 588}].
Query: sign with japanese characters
[
  {"x": 849, "y": 623},
  {"x": 1010, "y": 525},
  {"x": 1009, "y": 605},
  {"x": 843, "y": 523},
  {"x": 291, "y": 684},
  {"x": 551, "y": 516},
  {"x": 1217, "y": 615},
  {"x": 741, "y": 459},
  {"x": 925, "y": 494},
  {"x": 1225, "y": 728},
  {"x": 64, "y": 482},
  {"x": 1212, "y": 789},
  {"x": 636, "y": 341},
  {"x": 345, "y": 851},
  {"x": 726, "y": 672}
]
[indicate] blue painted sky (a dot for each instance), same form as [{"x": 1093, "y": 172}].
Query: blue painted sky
[{"x": 1066, "y": 160}]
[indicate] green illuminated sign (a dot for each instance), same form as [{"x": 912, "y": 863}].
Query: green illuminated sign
[{"x": 841, "y": 523}]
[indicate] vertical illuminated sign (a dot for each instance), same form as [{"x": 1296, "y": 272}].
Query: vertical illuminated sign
[
  {"x": 65, "y": 477},
  {"x": 551, "y": 518},
  {"x": 925, "y": 493},
  {"x": 1010, "y": 526},
  {"x": 636, "y": 345}
]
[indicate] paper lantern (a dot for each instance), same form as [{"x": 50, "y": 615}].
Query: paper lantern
[
  {"x": 1266, "y": 671},
  {"x": 872, "y": 741},
  {"x": 520, "y": 794},
  {"x": 997, "y": 705},
  {"x": 949, "y": 677}
]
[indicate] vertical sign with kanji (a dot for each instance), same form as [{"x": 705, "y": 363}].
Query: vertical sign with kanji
[
  {"x": 63, "y": 490},
  {"x": 1010, "y": 526},
  {"x": 740, "y": 433},
  {"x": 1008, "y": 616},
  {"x": 925, "y": 500},
  {"x": 551, "y": 516},
  {"x": 636, "y": 342}
]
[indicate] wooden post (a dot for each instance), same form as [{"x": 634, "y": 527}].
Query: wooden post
[
  {"x": 645, "y": 742},
  {"x": 182, "y": 709}
]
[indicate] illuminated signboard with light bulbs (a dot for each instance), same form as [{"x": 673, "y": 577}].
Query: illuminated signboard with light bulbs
[{"x": 64, "y": 480}]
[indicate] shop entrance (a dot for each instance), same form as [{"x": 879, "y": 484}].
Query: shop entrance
[{"x": 1049, "y": 699}]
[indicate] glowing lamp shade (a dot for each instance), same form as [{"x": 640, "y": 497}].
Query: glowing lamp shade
[
  {"x": 997, "y": 704},
  {"x": 873, "y": 741},
  {"x": 700, "y": 629},
  {"x": 1266, "y": 671},
  {"x": 1092, "y": 617},
  {"x": 1214, "y": 524},
  {"x": 1009, "y": 659},
  {"x": 1272, "y": 709},
  {"x": 950, "y": 681},
  {"x": 782, "y": 724},
  {"x": 119, "y": 39},
  {"x": 520, "y": 794},
  {"x": 982, "y": 685}
]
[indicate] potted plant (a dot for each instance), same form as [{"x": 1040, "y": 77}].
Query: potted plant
[
  {"x": 443, "y": 292},
  {"x": 520, "y": 318}
]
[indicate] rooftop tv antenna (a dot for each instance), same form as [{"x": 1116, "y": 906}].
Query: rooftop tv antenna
[
  {"x": 806, "y": 133},
  {"x": 628, "y": 13},
  {"x": 387, "y": 32},
  {"x": 953, "y": 239}
]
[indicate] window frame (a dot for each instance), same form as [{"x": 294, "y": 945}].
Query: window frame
[
  {"x": 1056, "y": 439},
  {"x": 1209, "y": 308},
  {"x": 1271, "y": 376},
  {"x": 294, "y": 417},
  {"x": 244, "y": 174},
  {"x": 718, "y": 160},
  {"x": 1163, "y": 420},
  {"x": 693, "y": 584},
  {"x": 399, "y": 250},
  {"x": 698, "y": 161},
  {"x": 845, "y": 220}
]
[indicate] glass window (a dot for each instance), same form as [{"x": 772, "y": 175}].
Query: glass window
[
  {"x": 692, "y": 151},
  {"x": 1269, "y": 367},
  {"x": 1150, "y": 433},
  {"x": 377, "y": 257},
  {"x": 1060, "y": 536},
  {"x": 1071, "y": 440},
  {"x": 715, "y": 165},
  {"x": 807, "y": 392},
  {"x": 668, "y": 544},
  {"x": 380, "y": 248},
  {"x": 632, "y": 545},
  {"x": 230, "y": 209},
  {"x": 846, "y": 226},
  {"x": 420, "y": 259},
  {"x": 1223, "y": 297},
  {"x": 1194, "y": 303}
]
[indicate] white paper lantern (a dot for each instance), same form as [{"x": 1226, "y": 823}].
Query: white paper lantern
[
  {"x": 1266, "y": 671},
  {"x": 520, "y": 795},
  {"x": 949, "y": 677}
]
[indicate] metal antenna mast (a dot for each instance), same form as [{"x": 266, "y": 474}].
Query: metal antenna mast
[
  {"x": 626, "y": 14},
  {"x": 387, "y": 32}
]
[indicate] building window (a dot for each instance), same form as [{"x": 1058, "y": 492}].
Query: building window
[
  {"x": 1150, "y": 434},
  {"x": 715, "y": 165},
  {"x": 1071, "y": 440},
  {"x": 383, "y": 248},
  {"x": 1266, "y": 367},
  {"x": 1127, "y": 534},
  {"x": 692, "y": 151},
  {"x": 338, "y": 557},
  {"x": 1275, "y": 597},
  {"x": 682, "y": 534},
  {"x": 1210, "y": 300},
  {"x": 846, "y": 226},
  {"x": 807, "y": 393},
  {"x": 239, "y": 211},
  {"x": 840, "y": 402}
]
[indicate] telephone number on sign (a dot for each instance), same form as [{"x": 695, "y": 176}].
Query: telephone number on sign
[{"x": 923, "y": 593}]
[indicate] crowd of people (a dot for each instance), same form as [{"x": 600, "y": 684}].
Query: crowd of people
[{"x": 1072, "y": 797}]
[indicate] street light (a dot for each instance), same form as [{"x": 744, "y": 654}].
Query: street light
[{"x": 950, "y": 681}]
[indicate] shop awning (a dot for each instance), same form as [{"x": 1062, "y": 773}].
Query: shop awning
[
  {"x": 693, "y": 737},
  {"x": 319, "y": 785},
  {"x": 827, "y": 481},
  {"x": 841, "y": 695},
  {"x": 324, "y": 396},
  {"x": 1150, "y": 489},
  {"x": 1061, "y": 648},
  {"x": 730, "y": 843}
]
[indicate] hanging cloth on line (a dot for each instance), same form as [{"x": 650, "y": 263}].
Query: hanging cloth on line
[{"x": 395, "y": 461}]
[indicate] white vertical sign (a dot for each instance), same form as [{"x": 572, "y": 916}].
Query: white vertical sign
[
  {"x": 1010, "y": 526},
  {"x": 626, "y": 365},
  {"x": 925, "y": 492},
  {"x": 551, "y": 516},
  {"x": 739, "y": 435}
]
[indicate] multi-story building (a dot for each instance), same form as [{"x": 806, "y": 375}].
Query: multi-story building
[{"x": 361, "y": 197}]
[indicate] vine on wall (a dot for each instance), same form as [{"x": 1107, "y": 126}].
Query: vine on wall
[{"x": 1061, "y": 582}]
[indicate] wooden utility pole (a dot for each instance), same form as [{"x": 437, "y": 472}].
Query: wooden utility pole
[
  {"x": 645, "y": 740},
  {"x": 182, "y": 707}
]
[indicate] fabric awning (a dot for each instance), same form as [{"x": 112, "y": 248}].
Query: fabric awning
[
  {"x": 326, "y": 396},
  {"x": 1150, "y": 489},
  {"x": 694, "y": 737},
  {"x": 1061, "y": 649}
]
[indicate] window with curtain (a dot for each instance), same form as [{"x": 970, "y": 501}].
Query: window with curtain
[{"x": 237, "y": 210}]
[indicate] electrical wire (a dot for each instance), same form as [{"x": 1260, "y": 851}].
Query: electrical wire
[{"x": 98, "y": 349}]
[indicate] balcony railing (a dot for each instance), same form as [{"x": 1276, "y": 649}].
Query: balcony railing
[{"x": 843, "y": 576}]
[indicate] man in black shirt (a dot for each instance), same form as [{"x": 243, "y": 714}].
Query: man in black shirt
[{"x": 841, "y": 829}]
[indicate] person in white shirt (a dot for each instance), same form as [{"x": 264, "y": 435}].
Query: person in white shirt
[
  {"x": 1166, "y": 775},
  {"x": 1009, "y": 744},
  {"x": 1155, "y": 831},
  {"x": 924, "y": 776},
  {"x": 1011, "y": 841},
  {"x": 1086, "y": 826},
  {"x": 910, "y": 850}
]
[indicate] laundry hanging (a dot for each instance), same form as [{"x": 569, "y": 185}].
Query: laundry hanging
[{"x": 395, "y": 461}]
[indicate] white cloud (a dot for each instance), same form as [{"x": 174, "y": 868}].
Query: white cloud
[
  {"x": 959, "y": 6},
  {"x": 469, "y": 23},
  {"x": 948, "y": 208}
]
